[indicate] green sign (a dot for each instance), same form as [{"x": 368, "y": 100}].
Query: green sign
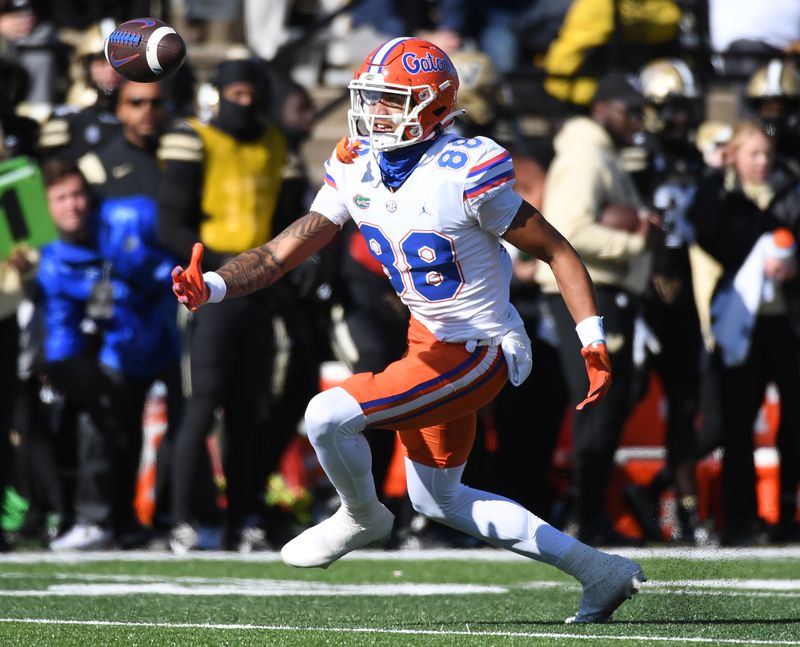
[{"x": 24, "y": 215}]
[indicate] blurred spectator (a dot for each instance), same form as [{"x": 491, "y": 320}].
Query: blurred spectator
[
  {"x": 213, "y": 20},
  {"x": 220, "y": 185},
  {"x": 292, "y": 110},
  {"x": 18, "y": 135},
  {"x": 106, "y": 274},
  {"x": 72, "y": 129},
  {"x": 497, "y": 27},
  {"x": 266, "y": 25},
  {"x": 81, "y": 14},
  {"x": 126, "y": 164},
  {"x": 479, "y": 86},
  {"x": 123, "y": 167},
  {"x": 600, "y": 35},
  {"x": 522, "y": 468},
  {"x": 773, "y": 95},
  {"x": 15, "y": 270},
  {"x": 504, "y": 30},
  {"x": 746, "y": 217},
  {"x": 302, "y": 303},
  {"x": 674, "y": 166},
  {"x": 525, "y": 454},
  {"x": 745, "y": 37},
  {"x": 33, "y": 41},
  {"x": 583, "y": 181}
]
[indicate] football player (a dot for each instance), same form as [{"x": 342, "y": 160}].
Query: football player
[{"x": 432, "y": 206}]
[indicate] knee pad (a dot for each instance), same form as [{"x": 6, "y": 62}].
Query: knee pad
[{"x": 332, "y": 410}]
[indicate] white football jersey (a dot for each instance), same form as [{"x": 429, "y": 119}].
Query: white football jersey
[{"x": 437, "y": 236}]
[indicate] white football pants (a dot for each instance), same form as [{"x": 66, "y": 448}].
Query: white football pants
[{"x": 334, "y": 423}]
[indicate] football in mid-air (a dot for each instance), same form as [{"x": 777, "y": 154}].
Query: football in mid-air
[
  {"x": 145, "y": 50},
  {"x": 620, "y": 216}
]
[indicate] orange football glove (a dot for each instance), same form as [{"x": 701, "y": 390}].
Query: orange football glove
[
  {"x": 188, "y": 285},
  {"x": 598, "y": 368},
  {"x": 347, "y": 151}
]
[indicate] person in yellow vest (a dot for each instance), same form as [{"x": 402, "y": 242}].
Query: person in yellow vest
[{"x": 219, "y": 184}]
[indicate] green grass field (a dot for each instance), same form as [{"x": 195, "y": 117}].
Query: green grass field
[{"x": 458, "y": 598}]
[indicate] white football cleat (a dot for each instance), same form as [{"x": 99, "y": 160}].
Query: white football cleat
[
  {"x": 82, "y": 536},
  {"x": 614, "y": 580},
  {"x": 323, "y": 544}
]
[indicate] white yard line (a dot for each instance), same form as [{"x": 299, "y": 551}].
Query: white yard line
[
  {"x": 97, "y": 584},
  {"x": 400, "y": 632},
  {"x": 482, "y": 554},
  {"x": 255, "y": 589}
]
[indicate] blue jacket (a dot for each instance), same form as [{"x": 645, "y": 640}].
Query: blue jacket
[{"x": 141, "y": 337}]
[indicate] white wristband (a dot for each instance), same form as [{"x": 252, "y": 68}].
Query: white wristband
[
  {"x": 590, "y": 330},
  {"x": 216, "y": 287}
]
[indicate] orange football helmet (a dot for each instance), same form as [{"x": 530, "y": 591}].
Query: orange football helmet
[{"x": 407, "y": 72}]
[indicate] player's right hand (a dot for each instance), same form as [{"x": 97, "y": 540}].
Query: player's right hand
[
  {"x": 188, "y": 285},
  {"x": 598, "y": 368},
  {"x": 347, "y": 150}
]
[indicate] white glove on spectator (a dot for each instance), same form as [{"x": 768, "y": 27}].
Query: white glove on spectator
[
  {"x": 644, "y": 341},
  {"x": 517, "y": 350}
]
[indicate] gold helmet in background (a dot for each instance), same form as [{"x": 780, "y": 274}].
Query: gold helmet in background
[
  {"x": 93, "y": 39},
  {"x": 477, "y": 89},
  {"x": 668, "y": 85},
  {"x": 667, "y": 78},
  {"x": 775, "y": 80},
  {"x": 88, "y": 46}
]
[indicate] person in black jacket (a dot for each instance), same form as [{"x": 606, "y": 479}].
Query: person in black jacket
[
  {"x": 126, "y": 164},
  {"x": 72, "y": 130},
  {"x": 755, "y": 320},
  {"x": 18, "y": 135},
  {"x": 668, "y": 182},
  {"x": 122, "y": 167},
  {"x": 220, "y": 184}
]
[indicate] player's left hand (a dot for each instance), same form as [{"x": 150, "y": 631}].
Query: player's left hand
[
  {"x": 516, "y": 349},
  {"x": 188, "y": 285},
  {"x": 598, "y": 368},
  {"x": 347, "y": 150}
]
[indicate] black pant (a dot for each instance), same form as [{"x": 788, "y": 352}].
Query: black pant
[
  {"x": 596, "y": 430},
  {"x": 230, "y": 346},
  {"x": 110, "y": 407},
  {"x": 526, "y": 442},
  {"x": 678, "y": 366},
  {"x": 48, "y": 428},
  {"x": 774, "y": 355},
  {"x": 9, "y": 351}
]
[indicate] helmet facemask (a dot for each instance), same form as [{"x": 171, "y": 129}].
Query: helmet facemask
[{"x": 370, "y": 89}]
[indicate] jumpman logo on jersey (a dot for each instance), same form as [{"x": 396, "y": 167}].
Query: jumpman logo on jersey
[
  {"x": 368, "y": 176},
  {"x": 425, "y": 212}
]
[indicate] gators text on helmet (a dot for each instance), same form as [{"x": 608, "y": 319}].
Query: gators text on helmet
[{"x": 408, "y": 72}]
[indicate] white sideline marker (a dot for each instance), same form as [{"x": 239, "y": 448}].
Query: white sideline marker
[{"x": 398, "y": 632}]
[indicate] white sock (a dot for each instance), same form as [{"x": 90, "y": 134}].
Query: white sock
[
  {"x": 334, "y": 422},
  {"x": 439, "y": 494}
]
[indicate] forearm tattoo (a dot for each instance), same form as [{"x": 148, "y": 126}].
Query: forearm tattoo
[{"x": 260, "y": 267}]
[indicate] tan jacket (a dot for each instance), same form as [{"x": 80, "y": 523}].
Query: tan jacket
[
  {"x": 11, "y": 284},
  {"x": 584, "y": 177}
]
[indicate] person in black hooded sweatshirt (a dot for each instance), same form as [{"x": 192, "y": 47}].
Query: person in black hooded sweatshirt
[{"x": 220, "y": 185}]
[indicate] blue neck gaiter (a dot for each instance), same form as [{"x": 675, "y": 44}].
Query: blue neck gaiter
[{"x": 398, "y": 164}]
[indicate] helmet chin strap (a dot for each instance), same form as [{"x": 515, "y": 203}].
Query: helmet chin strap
[{"x": 444, "y": 123}]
